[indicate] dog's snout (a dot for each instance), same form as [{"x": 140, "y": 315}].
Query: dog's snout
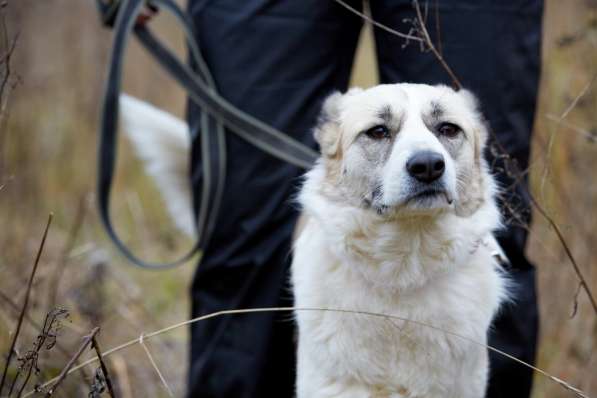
[{"x": 426, "y": 166}]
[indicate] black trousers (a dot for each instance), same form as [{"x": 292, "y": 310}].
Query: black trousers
[{"x": 278, "y": 60}]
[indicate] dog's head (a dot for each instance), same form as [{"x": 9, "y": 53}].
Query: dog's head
[{"x": 404, "y": 148}]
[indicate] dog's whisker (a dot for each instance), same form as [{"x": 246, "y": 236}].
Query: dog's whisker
[{"x": 448, "y": 197}]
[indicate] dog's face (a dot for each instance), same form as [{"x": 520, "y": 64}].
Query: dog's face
[{"x": 404, "y": 148}]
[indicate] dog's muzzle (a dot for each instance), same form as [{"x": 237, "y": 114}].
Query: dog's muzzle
[{"x": 426, "y": 166}]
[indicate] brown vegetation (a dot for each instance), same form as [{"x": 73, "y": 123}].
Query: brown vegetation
[{"x": 48, "y": 121}]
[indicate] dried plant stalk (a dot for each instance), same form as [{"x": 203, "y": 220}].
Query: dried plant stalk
[
  {"x": 69, "y": 366},
  {"x": 562, "y": 383},
  {"x": 25, "y": 303}
]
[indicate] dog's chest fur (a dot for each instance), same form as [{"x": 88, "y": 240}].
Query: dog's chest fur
[{"x": 438, "y": 274}]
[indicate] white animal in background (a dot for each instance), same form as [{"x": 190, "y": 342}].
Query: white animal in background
[
  {"x": 162, "y": 141},
  {"x": 398, "y": 215}
]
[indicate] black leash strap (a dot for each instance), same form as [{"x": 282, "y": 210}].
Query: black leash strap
[{"x": 217, "y": 114}]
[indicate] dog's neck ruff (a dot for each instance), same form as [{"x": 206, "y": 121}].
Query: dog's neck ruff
[{"x": 401, "y": 254}]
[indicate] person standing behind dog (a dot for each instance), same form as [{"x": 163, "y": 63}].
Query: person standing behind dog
[{"x": 278, "y": 60}]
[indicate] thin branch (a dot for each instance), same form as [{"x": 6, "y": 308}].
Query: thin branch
[
  {"x": 47, "y": 339},
  {"x": 130, "y": 343},
  {"x": 560, "y": 236},
  {"x": 552, "y": 136},
  {"x": 25, "y": 303},
  {"x": 8, "y": 48},
  {"x": 579, "y": 274},
  {"x": 438, "y": 29},
  {"x": 575, "y": 300},
  {"x": 73, "y": 234},
  {"x": 375, "y": 23},
  {"x": 25, "y": 382},
  {"x": 515, "y": 171},
  {"x": 6, "y": 57},
  {"x": 590, "y": 136},
  {"x": 69, "y": 366},
  {"x": 155, "y": 366},
  {"x": 578, "y": 97},
  {"x": 427, "y": 39},
  {"x": 15, "y": 308},
  {"x": 6, "y": 61},
  {"x": 98, "y": 352}
]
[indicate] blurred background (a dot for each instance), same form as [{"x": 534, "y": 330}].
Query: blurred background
[{"x": 48, "y": 135}]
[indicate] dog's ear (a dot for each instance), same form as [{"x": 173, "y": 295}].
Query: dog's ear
[
  {"x": 327, "y": 130},
  {"x": 472, "y": 103},
  {"x": 474, "y": 195}
]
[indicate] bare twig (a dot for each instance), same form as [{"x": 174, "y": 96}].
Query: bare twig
[
  {"x": 377, "y": 24},
  {"x": 591, "y": 136},
  {"x": 575, "y": 300},
  {"x": 558, "y": 232},
  {"x": 98, "y": 352},
  {"x": 422, "y": 30},
  {"x": 427, "y": 39},
  {"x": 130, "y": 343},
  {"x": 30, "y": 369},
  {"x": 438, "y": 55},
  {"x": 14, "y": 307},
  {"x": 6, "y": 61},
  {"x": 553, "y": 134},
  {"x": 583, "y": 285},
  {"x": 46, "y": 339},
  {"x": 155, "y": 366},
  {"x": 579, "y": 274},
  {"x": 25, "y": 303},
  {"x": 438, "y": 29},
  {"x": 8, "y": 48},
  {"x": 73, "y": 234},
  {"x": 422, "y": 36},
  {"x": 516, "y": 172},
  {"x": 70, "y": 365}
]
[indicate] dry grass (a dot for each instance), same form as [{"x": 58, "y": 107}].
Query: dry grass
[{"x": 47, "y": 163}]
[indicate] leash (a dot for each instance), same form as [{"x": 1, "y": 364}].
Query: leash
[{"x": 216, "y": 116}]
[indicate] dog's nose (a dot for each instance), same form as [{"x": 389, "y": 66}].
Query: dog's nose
[{"x": 426, "y": 166}]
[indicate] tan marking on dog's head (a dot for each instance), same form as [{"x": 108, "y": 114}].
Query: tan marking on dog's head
[
  {"x": 327, "y": 132},
  {"x": 473, "y": 185},
  {"x": 367, "y": 137}
]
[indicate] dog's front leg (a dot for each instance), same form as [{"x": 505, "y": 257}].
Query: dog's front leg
[
  {"x": 316, "y": 381},
  {"x": 336, "y": 389},
  {"x": 473, "y": 381}
]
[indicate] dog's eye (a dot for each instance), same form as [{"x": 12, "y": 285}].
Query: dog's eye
[
  {"x": 449, "y": 130},
  {"x": 378, "y": 132}
]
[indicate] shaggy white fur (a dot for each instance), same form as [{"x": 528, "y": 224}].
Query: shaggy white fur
[
  {"x": 368, "y": 245},
  {"x": 162, "y": 141},
  {"x": 436, "y": 273},
  {"x": 434, "y": 267}
]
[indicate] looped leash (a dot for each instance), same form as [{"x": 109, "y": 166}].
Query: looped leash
[{"x": 217, "y": 114}]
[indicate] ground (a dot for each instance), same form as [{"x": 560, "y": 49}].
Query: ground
[{"x": 47, "y": 164}]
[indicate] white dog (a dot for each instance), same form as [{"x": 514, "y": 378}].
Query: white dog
[{"x": 398, "y": 219}]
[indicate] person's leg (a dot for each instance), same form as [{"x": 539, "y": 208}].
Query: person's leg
[
  {"x": 494, "y": 49},
  {"x": 277, "y": 61}
]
